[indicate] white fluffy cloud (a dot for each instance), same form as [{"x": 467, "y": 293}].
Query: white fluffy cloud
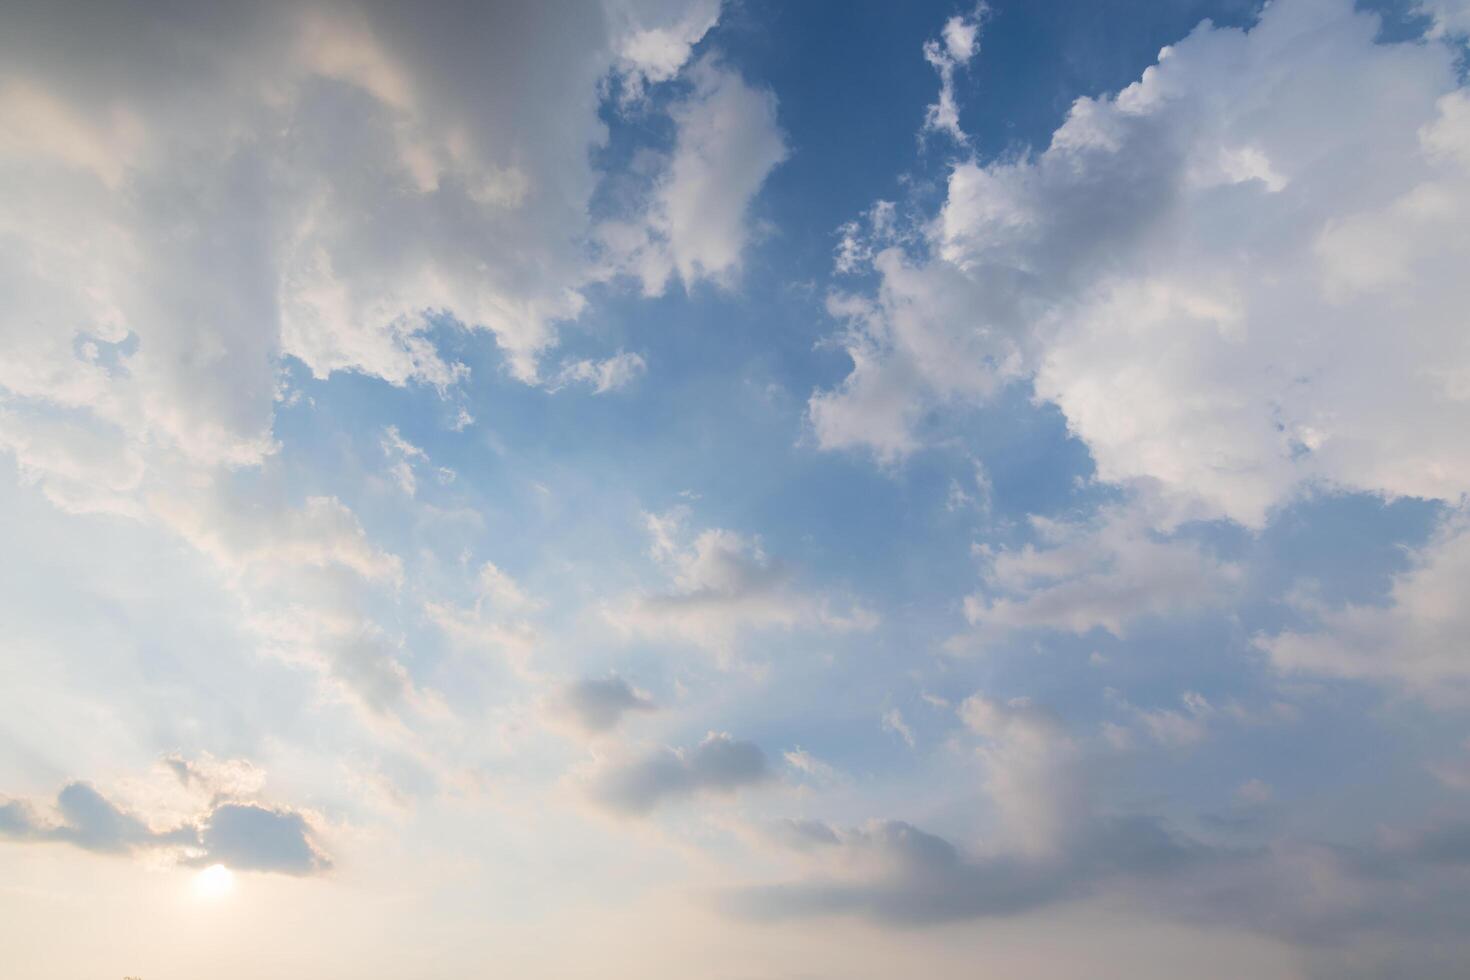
[
  {"x": 695, "y": 223},
  {"x": 1206, "y": 272},
  {"x": 654, "y": 38}
]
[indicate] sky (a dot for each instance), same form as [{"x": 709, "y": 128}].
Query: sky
[{"x": 681, "y": 488}]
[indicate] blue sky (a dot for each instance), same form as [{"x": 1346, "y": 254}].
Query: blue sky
[{"x": 764, "y": 490}]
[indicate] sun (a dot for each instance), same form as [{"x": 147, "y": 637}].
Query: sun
[{"x": 214, "y": 882}]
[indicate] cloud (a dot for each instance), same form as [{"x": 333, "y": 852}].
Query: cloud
[
  {"x": 1204, "y": 291},
  {"x": 252, "y": 191},
  {"x": 255, "y": 838},
  {"x": 811, "y": 767},
  {"x": 610, "y": 374},
  {"x": 333, "y": 183},
  {"x": 655, "y": 38},
  {"x": 718, "y": 764},
  {"x": 892, "y": 721},
  {"x": 696, "y": 222},
  {"x": 244, "y": 836},
  {"x": 860, "y": 238},
  {"x": 598, "y": 705},
  {"x": 1387, "y": 907},
  {"x": 1341, "y": 905},
  {"x": 894, "y": 873},
  {"x": 1039, "y": 789},
  {"x": 309, "y": 581},
  {"x": 1451, "y": 17},
  {"x": 500, "y": 618},
  {"x": 723, "y": 584},
  {"x": 1416, "y": 639},
  {"x": 91, "y": 822},
  {"x": 403, "y": 459},
  {"x": 256, "y": 541},
  {"x": 958, "y": 42},
  {"x": 1100, "y": 574}
]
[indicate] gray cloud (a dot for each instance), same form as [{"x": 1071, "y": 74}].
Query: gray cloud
[
  {"x": 243, "y": 836},
  {"x": 256, "y": 838},
  {"x": 894, "y": 873},
  {"x": 717, "y": 764},
  {"x": 89, "y": 821},
  {"x": 599, "y": 704},
  {"x": 1390, "y": 907}
]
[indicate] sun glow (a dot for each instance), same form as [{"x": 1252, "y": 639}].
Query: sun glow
[{"x": 214, "y": 882}]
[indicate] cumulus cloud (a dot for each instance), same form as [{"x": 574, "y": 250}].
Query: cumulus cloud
[
  {"x": 723, "y": 584},
  {"x": 334, "y": 183},
  {"x": 655, "y": 38},
  {"x": 216, "y": 213},
  {"x": 89, "y": 821},
  {"x": 696, "y": 222},
  {"x": 256, "y": 838},
  {"x": 326, "y": 182},
  {"x": 719, "y": 764},
  {"x": 245, "y": 836},
  {"x": 597, "y": 705},
  {"x": 1204, "y": 272}
]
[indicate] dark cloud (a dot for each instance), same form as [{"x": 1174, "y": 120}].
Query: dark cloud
[
  {"x": 1393, "y": 907},
  {"x": 89, "y": 821},
  {"x": 718, "y": 764},
  {"x": 897, "y": 874},
  {"x": 243, "y": 836},
  {"x": 598, "y": 705},
  {"x": 255, "y": 838}
]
